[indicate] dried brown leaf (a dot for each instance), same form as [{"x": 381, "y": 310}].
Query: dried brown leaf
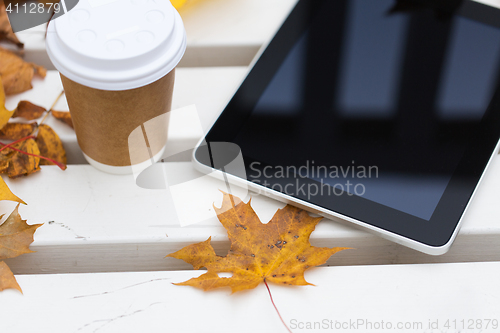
[
  {"x": 4, "y": 163},
  {"x": 15, "y": 238},
  {"x": 16, "y": 73},
  {"x": 7, "y": 278},
  {"x": 63, "y": 116},
  {"x": 16, "y": 131},
  {"x": 28, "y": 111},
  {"x": 17, "y": 164},
  {"x": 5, "y": 114},
  {"x": 50, "y": 145},
  {"x": 6, "y": 32}
]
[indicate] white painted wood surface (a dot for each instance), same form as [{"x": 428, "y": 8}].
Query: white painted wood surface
[
  {"x": 94, "y": 222},
  {"x": 411, "y": 295},
  {"x": 106, "y": 223},
  {"x": 220, "y": 32}
]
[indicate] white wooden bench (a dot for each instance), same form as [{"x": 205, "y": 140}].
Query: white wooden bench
[
  {"x": 106, "y": 223},
  {"x": 345, "y": 299},
  {"x": 94, "y": 222}
]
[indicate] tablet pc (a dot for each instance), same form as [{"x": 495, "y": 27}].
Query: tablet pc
[{"x": 383, "y": 118}]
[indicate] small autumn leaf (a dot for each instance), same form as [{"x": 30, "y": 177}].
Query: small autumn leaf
[
  {"x": 15, "y": 238},
  {"x": 50, "y": 145},
  {"x": 5, "y": 114},
  {"x": 28, "y": 111},
  {"x": 15, "y": 163},
  {"x": 16, "y": 131},
  {"x": 16, "y": 73},
  {"x": 22, "y": 157},
  {"x": 63, "y": 116},
  {"x": 6, "y": 32},
  {"x": 7, "y": 278},
  {"x": 6, "y": 193},
  {"x": 278, "y": 251}
]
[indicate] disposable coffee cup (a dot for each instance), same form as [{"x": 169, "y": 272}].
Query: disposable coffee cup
[{"x": 117, "y": 62}]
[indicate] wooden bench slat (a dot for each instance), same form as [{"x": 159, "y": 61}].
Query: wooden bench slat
[
  {"x": 411, "y": 295},
  {"x": 104, "y": 223}
]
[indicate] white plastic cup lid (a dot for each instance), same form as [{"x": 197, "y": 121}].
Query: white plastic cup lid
[{"x": 117, "y": 44}]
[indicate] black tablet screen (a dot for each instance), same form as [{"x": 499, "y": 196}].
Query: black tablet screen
[
  {"x": 380, "y": 106},
  {"x": 373, "y": 109}
]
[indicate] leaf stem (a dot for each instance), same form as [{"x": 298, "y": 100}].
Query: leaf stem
[
  {"x": 271, "y": 296},
  {"x": 60, "y": 165},
  {"x": 52, "y": 106}
]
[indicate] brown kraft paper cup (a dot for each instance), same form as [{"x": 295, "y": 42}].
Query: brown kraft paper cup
[{"x": 104, "y": 119}]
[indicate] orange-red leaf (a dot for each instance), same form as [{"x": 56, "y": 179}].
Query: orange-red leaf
[{"x": 278, "y": 251}]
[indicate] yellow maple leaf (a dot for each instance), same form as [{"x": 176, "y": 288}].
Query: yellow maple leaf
[
  {"x": 7, "y": 278},
  {"x": 6, "y": 193},
  {"x": 278, "y": 251},
  {"x": 15, "y": 238}
]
